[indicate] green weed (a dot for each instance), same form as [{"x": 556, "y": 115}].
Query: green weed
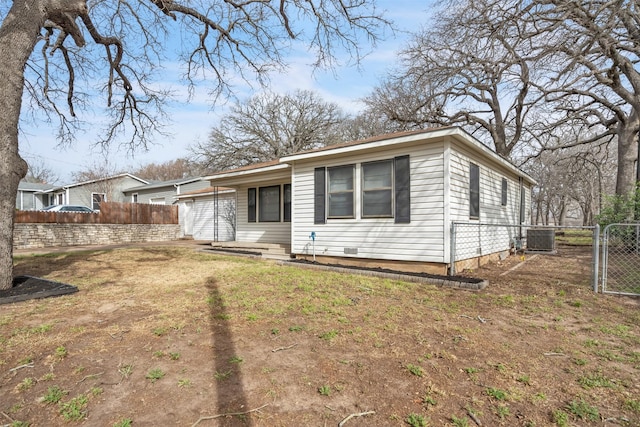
[
  {"x": 159, "y": 332},
  {"x": 415, "y": 370},
  {"x": 497, "y": 393},
  {"x": 125, "y": 370},
  {"x": 185, "y": 382},
  {"x": 154, "y": 375},
  {"x": 502, "y": 411},
  {"x": 324, "y": 390},
  {"x": 328, "y": 336},
  {"x": 595, "y": 380},
  {"x": 459, "y": 422},
  {"x": 582, "y": 410},
  {"x": 174, "y": 356},
  {"x": 54, "y": 394},
  {"x": 560, "y": 418},
  {"x": 633, "y": 405},
  {"x": 416, "y": 420},
  {"x": 26, "y": 384},
  {"x": 236, "y": 359},
  {"x": 127, "y": 422},
  {"x": 61, "y": 352},
  {"x": 222, "y": 375},
  {"x": 73, "y": 410}
]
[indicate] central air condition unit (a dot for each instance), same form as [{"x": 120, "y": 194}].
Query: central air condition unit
[{"x": 541, "y": 240}]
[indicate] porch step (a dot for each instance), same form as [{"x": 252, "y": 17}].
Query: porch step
[{"x": 266, "y": 250}]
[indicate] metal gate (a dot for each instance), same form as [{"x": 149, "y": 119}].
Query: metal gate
[{"x": 621, "y": 259}]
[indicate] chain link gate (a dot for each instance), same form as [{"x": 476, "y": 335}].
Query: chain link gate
[
  {"x": 471, "y": 242},
  {"x": 621, "y": 259}
]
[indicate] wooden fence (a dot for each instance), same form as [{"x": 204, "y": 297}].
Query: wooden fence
[{"x": 110, "y": 213}]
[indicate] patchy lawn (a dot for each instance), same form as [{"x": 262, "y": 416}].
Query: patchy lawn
[{"x": 170, "y": 336}]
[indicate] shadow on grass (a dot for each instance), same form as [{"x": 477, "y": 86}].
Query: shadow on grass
[{"x": 231, "y": 396}]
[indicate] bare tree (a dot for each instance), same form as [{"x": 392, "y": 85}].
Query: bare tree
[
  {"x": 172, "y": 169},
  {"x": 125, "y": 47},
  {"x": 39, "y": 172},
  {"x": 269, "y": 126},
  {"x": 576, "y": 177},
  {"x": 592, "y": 50},
  {"x": 468, "y": 68}
]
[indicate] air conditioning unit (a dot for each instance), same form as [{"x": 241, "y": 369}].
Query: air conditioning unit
[{"x": 541, "y": 240}]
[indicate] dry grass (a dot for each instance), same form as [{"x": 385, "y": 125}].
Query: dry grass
[{"x": 200, "y": 335}]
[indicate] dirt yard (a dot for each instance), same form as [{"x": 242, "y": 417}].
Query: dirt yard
[{"x": 174, "y": 337}]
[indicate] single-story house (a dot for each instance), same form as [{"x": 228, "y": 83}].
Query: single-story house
[
  {"x": 164, "y": 192},
  {"x": 33, "y": 196},
  {"x": 208, "y": 214},
  {"x": 383, "y": 201},
  {"x": 92, "y": 193}
]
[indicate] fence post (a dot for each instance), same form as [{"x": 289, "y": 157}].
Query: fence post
[
  {"x": 452, "y": 256},
  {"x": 596, "y": 254}
]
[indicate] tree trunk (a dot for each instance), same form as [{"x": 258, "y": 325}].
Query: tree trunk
[
  {"x": 627, "y": 155},
  {"x": 18, "y": 36}
]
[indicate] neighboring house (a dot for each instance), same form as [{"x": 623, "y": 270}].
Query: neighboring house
[
  {"x": 389, "y": 199},
  {"x": 208, "y": 214},
  {"x": 32, "y": 196},
  {"x": 92, "y": 193},
  {"x": 165, "y": 192}
]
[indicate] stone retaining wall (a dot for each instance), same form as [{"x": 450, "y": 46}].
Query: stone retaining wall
[{"x": 29, "y": 236}]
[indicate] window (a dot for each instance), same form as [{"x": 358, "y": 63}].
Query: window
[
  {"x": 474, "y": 191},
  {"x": 287, "y": 202},
  {"x": 134, "y": 198},
  {"x": 96, "y": 199},
  {"x": 269, "y": 204},
  {"x": 377, "y": 189},
  {"x": 504, "y": 191},
  {"x": 340, "y": 192},
  {"x": 251, "y": 205},
  {"x": 385, "y": 191}
]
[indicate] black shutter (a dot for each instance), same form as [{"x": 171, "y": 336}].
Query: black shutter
[
  {"x": 474, "y": 191},
  {"x": 319, "y": 216},
  {"x": 251, "y": 205},
  {"x": 402, "y": 172}
]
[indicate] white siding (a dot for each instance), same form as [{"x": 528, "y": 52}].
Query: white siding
[
  {"x": 491, "y": 239},
  {"x": 378, "y": 238},
  {"x": 202, "y": 216},
  {"x": 262, "y": 232}
]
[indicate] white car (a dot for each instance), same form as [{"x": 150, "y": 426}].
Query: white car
[{"x": 68, "y": 208}]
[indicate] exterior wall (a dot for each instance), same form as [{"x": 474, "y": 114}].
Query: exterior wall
[
  {"x": 147, "y": 195},
  {"x": 193, "y": 186},
  {"x": 168, "y": 192},
  {"x": 27, "y": 200},
  {"x": 27, "y": 236},
  {"x": 113, "y": 188},
  {"x": 260, "y": 232},
  {"x": 422, "y": 240},
  {"x": 491, "y": 209},
  {"x": 201, "y": 213}
]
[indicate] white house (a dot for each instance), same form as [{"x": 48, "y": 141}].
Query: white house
[{"x": 384, "y": 201}]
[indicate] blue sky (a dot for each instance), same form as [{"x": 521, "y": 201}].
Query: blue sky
[{"x": 191, "y": 121}]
